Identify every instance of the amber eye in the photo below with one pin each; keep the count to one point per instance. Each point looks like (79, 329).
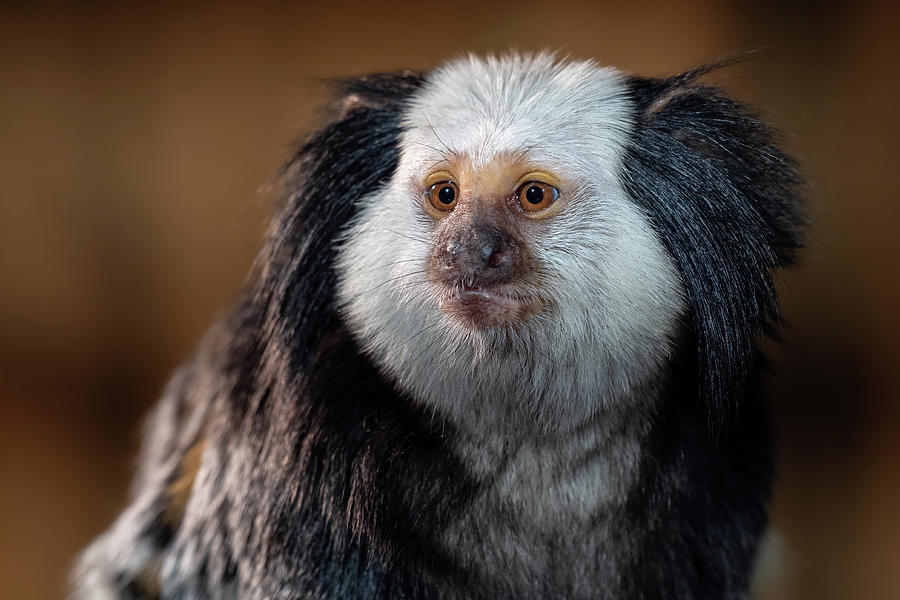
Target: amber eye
(536, 195)
(443, 195)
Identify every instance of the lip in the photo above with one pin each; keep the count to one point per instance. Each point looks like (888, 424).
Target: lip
(484, 308)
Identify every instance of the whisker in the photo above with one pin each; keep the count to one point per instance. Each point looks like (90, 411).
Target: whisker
(547, 356)
(428, 347)
(394, 263)
(438, 150)
(409, 237)
(434, 131)
(429, 327)
(387, 281)
(436, 163)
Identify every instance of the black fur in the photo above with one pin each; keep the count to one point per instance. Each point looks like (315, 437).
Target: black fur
(723, 197)
(320, 480)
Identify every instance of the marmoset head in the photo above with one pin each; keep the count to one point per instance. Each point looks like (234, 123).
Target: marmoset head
(555, 235)
(504, 262)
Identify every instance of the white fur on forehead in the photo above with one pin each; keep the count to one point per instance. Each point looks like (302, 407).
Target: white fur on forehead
(481, 107)
(613, 295)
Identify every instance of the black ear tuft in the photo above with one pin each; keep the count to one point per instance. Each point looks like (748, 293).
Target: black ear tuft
(725, 200)
(324, 180)
(377, 91)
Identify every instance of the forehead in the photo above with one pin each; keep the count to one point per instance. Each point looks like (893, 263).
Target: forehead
(533, 106)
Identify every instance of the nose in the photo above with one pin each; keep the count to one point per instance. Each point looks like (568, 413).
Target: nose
(478, 255)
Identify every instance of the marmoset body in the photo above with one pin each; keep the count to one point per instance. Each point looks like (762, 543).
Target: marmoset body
(501, 342)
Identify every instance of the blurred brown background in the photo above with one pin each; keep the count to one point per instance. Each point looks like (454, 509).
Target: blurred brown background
(134, 143)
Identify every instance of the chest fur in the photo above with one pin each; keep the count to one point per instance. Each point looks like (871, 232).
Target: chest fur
(542, 521)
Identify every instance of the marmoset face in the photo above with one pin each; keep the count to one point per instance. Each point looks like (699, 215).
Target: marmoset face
(504, 258)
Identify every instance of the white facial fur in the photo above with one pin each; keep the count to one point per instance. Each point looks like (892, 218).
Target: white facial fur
(613, 296)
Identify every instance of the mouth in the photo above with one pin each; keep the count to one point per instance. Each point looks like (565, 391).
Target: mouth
(482, 308)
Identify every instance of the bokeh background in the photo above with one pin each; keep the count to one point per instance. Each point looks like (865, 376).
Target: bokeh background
(136, 143)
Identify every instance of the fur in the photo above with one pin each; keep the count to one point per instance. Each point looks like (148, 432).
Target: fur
(341, 436)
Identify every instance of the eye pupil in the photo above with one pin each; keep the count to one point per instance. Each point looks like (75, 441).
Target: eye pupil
(446, 195)
(534, 194)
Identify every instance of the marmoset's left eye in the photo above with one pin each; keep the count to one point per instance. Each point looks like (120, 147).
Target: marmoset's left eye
(536, 195)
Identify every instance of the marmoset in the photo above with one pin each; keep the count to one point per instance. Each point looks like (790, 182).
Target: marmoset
(501, 342)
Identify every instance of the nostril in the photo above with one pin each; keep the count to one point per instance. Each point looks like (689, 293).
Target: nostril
(496, 259)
